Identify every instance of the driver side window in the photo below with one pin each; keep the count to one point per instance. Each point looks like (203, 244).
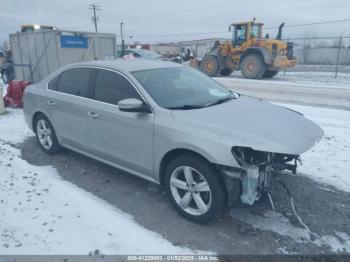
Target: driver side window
(111, 87)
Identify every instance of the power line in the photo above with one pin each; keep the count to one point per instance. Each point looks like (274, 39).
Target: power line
(66, 13)
(314, 23)
(221, 32)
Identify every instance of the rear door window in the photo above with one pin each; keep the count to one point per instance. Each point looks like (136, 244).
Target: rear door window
(53, 83)
(75, 81)
(111, 87)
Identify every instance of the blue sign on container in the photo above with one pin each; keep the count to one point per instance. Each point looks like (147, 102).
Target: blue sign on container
(71, 41)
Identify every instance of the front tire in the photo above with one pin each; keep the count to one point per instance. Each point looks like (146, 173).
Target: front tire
(253, 66)
(46, 135)
(195, 188)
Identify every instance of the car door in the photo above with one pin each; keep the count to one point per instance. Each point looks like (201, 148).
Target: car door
(123, 138)
(67, 107)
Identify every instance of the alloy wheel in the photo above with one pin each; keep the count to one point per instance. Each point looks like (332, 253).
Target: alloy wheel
(190, 190)
(44, 134)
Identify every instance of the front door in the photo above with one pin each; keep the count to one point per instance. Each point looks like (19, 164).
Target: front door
(123, 138)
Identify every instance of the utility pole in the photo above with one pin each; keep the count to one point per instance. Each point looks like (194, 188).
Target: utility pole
(122, 38)
(338, 55)
(95, 8)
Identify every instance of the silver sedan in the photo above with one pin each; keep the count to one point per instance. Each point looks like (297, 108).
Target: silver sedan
(206, 146)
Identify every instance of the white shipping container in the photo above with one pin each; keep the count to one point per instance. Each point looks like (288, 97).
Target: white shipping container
(38, 54)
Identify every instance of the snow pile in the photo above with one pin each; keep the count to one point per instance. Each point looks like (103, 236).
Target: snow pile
(42, 214)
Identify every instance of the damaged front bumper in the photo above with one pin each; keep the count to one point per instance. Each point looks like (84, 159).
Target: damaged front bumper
(257, 169)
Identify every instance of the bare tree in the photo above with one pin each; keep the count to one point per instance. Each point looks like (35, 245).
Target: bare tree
(5, 45)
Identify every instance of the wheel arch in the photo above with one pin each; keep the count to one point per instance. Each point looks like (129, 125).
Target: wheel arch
(35, 115)
(172, 154)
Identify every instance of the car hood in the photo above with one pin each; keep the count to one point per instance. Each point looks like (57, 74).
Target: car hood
(250, 122)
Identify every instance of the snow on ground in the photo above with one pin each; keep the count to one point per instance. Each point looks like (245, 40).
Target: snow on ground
(309, 79)
(42, 214)
(329, 161)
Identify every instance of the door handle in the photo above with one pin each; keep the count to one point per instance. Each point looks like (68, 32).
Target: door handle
(51, 103)
(93, 115)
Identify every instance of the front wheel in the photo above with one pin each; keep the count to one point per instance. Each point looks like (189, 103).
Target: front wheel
(195, 189)
(253, 66)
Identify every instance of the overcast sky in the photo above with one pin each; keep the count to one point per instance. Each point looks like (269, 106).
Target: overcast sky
(145, 20)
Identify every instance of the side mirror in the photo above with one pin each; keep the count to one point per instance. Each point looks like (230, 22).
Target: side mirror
(132, 105)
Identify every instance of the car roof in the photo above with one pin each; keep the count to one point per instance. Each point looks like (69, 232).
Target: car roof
(128, 65)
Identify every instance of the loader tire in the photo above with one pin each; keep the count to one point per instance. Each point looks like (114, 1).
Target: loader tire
(253, 66)
(210, 65)
(270, 73)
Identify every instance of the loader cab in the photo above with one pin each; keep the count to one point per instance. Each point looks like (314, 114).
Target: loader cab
(243, 32)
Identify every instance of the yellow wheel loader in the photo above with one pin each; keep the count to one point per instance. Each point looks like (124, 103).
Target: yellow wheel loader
(255, 56)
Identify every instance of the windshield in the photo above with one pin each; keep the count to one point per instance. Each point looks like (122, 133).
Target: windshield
(177, 87)
(255, 33)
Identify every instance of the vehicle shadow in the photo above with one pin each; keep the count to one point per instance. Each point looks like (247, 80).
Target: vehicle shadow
(324, 209)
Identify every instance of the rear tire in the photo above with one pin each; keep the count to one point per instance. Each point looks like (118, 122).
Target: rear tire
(253, 66)
(210, 65)
(46, 135)
(195, 188)
(270, 73)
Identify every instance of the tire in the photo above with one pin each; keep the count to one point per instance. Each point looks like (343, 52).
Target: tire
(270, 73)
(46, 135)
(210, 65)
(208, 191)
(226, 72)
(253, 67)
(4, 77)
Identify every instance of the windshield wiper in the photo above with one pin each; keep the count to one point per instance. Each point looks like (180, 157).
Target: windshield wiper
(222, 100)
(185, 107)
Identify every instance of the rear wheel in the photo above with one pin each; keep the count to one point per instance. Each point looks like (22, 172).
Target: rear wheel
(46, 135)
(210, 65)
(253, 66)
(270, 73)
(195, 188)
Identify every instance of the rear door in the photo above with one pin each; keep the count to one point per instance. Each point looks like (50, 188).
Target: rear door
(68, 107)
(123, 138)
